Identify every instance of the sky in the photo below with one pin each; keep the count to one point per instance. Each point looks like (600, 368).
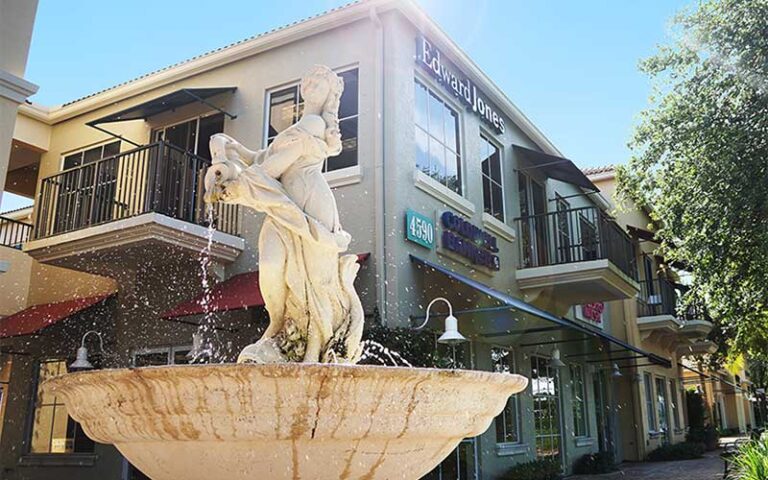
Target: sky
(570, 66)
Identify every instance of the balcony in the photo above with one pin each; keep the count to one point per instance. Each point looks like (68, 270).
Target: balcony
(14, 233)
(141, 205)
(575, 256)
(660, 310)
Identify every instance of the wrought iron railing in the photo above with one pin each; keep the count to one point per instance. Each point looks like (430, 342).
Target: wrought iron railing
(663, 297)
(159, 177)
(574, 235)
(14, 233)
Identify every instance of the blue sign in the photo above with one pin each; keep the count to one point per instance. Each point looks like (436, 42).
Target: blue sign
(419, 229)
(469, 241)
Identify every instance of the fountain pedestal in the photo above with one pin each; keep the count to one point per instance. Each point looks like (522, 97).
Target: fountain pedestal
(284, 421)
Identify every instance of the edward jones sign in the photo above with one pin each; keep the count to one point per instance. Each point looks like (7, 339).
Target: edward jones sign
(432, 60)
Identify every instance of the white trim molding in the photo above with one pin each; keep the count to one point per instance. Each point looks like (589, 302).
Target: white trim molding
(344, 176)
(499, 228)
(439, 191)
(14, 88)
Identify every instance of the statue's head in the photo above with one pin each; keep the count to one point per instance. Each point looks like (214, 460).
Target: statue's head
(321, 86)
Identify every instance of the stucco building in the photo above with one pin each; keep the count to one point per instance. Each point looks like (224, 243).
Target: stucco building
(446, 187)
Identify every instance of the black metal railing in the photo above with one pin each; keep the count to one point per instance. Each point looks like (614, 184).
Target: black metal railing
(663, 297)
(14, 233)
(159, 177)
(574, 235)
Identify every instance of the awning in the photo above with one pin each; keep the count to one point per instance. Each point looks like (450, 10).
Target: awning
(236, 293)
(521, 306)
(38, 317)
(173, 100)
(555, 167)
(642, 234)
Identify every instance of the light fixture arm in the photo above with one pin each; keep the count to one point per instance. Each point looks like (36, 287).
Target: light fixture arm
(426, 319)
(101, 340)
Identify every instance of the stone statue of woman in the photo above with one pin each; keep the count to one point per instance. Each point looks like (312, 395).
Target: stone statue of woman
(307, 284)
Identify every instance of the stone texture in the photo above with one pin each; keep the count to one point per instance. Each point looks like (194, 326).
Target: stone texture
(284, 421)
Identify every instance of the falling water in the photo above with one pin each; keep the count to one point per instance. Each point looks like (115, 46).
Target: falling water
(381, 354)
(206, 337)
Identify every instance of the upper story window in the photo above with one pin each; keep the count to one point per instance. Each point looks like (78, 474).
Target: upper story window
(192, 135)
(438, 153)
(286, 107)
(493, 190)
(53, 430)
(90, 155)
(508, 421)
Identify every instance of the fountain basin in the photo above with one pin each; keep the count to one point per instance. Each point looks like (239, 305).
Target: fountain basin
(292, 421)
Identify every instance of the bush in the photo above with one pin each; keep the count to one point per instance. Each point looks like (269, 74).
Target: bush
(595, 463)
(708, 436)
(751, 462)
(678, 451)
(542, 469)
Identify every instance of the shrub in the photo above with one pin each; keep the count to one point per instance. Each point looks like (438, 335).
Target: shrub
(678, 451)
(542, 469)
(595, 463)
(705, 435)
(751, 461)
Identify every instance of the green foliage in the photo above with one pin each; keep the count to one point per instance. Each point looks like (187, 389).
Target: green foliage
(542, 469)
(595, 463)
(694, 401)
(417, 347)
(678, 451)
(701, 163)
(751, 462)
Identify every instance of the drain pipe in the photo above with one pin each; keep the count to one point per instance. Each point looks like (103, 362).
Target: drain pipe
(380, 204)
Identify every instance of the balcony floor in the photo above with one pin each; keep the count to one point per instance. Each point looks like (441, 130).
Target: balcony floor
(130, 243)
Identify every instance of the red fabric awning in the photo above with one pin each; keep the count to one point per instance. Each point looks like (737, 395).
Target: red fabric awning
(37, 317)
(236, 293)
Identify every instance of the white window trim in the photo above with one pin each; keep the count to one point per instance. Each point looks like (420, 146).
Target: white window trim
(492, 140)
(450, 102)
(344, 176)
(199, 117)
(507, 449)
(442, 193)
(499, 228)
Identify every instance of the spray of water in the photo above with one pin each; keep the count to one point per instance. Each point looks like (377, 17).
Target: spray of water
(381, 354)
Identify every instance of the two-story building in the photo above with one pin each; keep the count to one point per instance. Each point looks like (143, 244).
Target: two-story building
(447, 189)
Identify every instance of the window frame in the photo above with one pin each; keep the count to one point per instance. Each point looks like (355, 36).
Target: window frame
(450, 103)
(296, 84)
(662, 404)
(674, 404)
(82, 150)
(153, 131)
(169, 350)
(513, 401)
(484, 135)
(582, 403)
(650, 402)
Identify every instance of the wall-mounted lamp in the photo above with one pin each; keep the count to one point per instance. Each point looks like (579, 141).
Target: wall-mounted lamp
(555, 361)
(451, 335)
(616, 373)
(81, 360)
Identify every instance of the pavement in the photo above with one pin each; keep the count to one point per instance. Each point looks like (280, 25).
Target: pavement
(710, 467)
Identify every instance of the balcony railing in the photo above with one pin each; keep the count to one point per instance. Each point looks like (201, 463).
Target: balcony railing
(662, 297)
(14, 233)
(574, 235)
(159, 177)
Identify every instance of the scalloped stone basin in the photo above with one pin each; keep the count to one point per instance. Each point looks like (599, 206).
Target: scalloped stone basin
(284, 421)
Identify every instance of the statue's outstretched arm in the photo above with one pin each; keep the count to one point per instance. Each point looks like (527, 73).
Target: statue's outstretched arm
(277, 161)
(226, 149)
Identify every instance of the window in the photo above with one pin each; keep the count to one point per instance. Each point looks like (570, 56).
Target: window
(286, 107)
(437, 139)
(661, 404)
(563, 230)
(649, 408)
(493, 191)
(161, 356)
(53, 431)
(90, 155)
(676, 412)
(533, 203)
(192, 135)
(546, 407)
(578, 401)
(507, 423)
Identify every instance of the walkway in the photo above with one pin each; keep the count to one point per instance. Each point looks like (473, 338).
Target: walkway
(708, 468)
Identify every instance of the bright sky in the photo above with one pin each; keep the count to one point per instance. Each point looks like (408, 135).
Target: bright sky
(571, 67)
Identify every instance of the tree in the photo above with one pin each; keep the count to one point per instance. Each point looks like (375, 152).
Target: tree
(700, 161)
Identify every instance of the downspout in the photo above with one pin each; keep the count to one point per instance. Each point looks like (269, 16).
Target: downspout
(380, 205)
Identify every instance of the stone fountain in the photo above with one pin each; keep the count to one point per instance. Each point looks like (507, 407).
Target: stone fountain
(295, 405)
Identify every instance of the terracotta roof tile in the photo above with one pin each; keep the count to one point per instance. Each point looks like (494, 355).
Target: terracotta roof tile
(598, 170)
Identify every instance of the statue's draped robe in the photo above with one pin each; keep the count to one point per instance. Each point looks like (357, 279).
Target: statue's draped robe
(320, 318)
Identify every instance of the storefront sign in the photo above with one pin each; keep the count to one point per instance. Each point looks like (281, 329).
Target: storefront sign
(469, 241)
(591, 313)
(432, 60)
(419, 229)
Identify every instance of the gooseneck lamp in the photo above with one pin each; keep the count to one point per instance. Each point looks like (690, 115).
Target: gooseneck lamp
(81, 360)
(555, 361)
(451, 335)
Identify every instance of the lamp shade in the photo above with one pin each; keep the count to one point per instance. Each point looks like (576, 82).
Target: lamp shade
(616, 371)
(451, 336)
(81, 360)
(555, 362)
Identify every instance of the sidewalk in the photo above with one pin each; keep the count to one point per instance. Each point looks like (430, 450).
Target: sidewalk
(708, 468)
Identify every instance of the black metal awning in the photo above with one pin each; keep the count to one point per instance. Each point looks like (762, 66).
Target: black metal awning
(526, 308)
(555, 167)
(170, 101)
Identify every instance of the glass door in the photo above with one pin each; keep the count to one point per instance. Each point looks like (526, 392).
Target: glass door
(545, 385)
(601, 410)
